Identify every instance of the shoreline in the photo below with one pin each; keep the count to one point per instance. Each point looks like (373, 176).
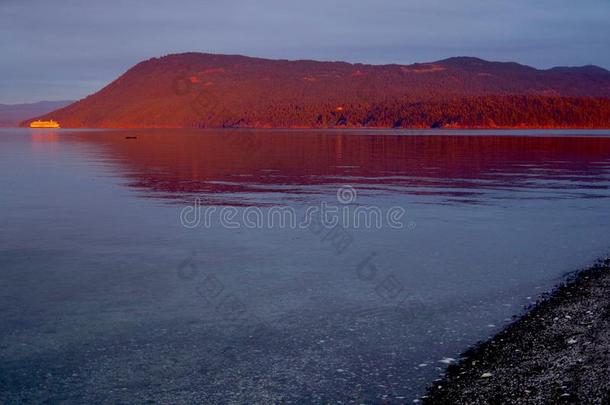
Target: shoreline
(557, 352)
(25, 124)
(333, 129)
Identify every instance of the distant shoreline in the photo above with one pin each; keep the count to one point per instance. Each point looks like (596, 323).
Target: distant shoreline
(448, 129)
(558, 352)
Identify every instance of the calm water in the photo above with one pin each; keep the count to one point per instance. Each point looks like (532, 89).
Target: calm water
(105, 296)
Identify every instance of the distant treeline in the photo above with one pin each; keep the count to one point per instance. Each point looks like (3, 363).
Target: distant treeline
(461, 112)
(205, 90)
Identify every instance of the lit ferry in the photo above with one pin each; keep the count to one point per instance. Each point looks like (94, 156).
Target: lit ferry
(44, 124)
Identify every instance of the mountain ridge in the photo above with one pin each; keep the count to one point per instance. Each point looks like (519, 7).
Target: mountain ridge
(11, 115)
(211, 90)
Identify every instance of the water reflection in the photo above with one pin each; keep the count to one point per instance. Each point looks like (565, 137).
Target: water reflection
(256, 167)
(87, 266)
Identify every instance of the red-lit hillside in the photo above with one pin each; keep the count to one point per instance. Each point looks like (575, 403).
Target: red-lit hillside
(206, 90)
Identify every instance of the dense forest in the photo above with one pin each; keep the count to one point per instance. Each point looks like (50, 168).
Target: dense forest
(205, 90)
(473, 112)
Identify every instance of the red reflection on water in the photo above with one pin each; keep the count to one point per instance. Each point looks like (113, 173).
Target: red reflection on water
(183, 162)
(44, 141)
(44, 136)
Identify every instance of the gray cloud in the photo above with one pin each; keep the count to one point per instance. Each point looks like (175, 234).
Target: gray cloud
(67, 49)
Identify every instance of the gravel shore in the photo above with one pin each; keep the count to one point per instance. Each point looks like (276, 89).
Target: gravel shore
(559, 352)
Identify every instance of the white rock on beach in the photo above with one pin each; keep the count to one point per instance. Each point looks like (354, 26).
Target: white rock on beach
(486, 375)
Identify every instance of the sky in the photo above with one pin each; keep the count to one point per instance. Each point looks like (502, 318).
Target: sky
(67, 49)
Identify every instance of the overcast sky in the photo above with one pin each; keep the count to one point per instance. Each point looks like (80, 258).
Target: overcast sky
(67, 49)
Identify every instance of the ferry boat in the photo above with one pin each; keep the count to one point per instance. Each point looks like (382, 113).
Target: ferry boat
(44, 124)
